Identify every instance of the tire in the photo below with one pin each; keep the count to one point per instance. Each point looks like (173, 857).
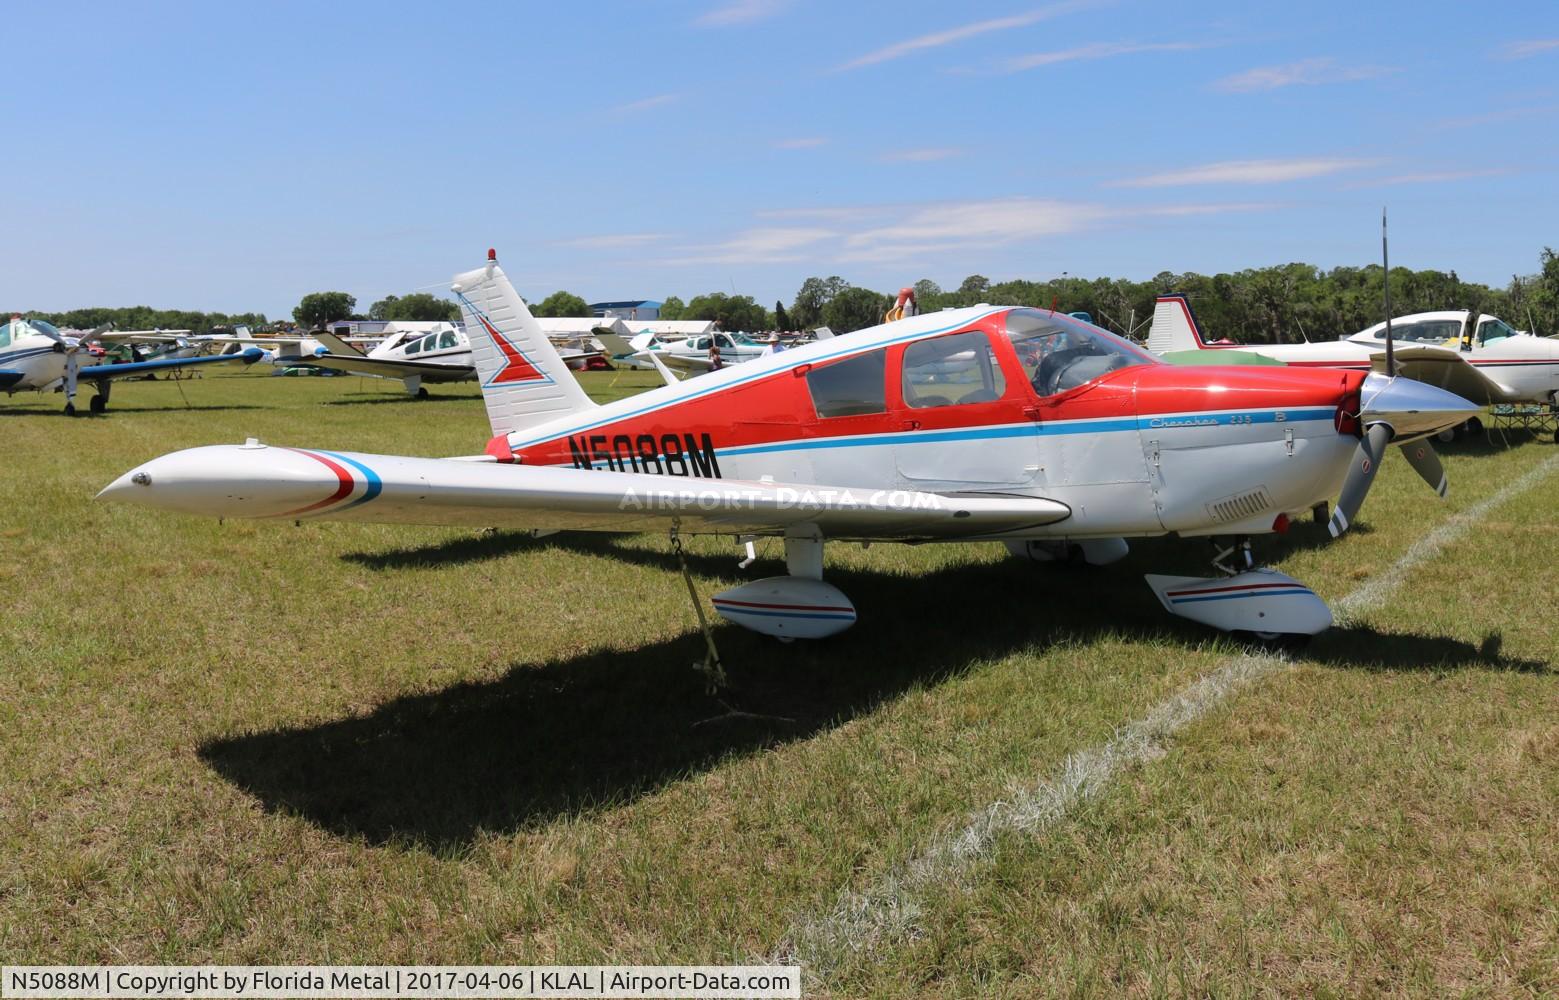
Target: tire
(1474, 426)
(70, 409)
(422, 393)
(1446, 436)
(97, 404)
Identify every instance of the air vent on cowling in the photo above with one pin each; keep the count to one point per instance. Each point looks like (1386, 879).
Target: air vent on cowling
(1239, 506)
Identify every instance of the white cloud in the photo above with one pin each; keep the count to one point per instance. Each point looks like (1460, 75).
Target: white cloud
(1435, 177)
(740, 12)
(614, 241)
(1249, 172)
(646, 103)
(803, 142)
(1522, 50)
(1305, 72)
(898, 232)
(1095, 50)
(761, 245)
(937, 39)
(982, 223)
(925, 155)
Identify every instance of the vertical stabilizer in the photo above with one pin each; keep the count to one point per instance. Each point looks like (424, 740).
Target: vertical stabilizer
(1174, 327)
(524, 381)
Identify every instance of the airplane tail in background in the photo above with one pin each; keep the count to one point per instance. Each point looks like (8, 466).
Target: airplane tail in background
(1174, 327)
(524, 380)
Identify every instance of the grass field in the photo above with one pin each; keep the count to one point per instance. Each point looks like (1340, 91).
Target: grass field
(258, 743)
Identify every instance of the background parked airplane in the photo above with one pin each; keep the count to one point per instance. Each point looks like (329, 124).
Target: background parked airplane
(35, 355)
(442, 355)
(1476, 356)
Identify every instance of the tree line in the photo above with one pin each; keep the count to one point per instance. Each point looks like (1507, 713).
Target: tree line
(1257, 305)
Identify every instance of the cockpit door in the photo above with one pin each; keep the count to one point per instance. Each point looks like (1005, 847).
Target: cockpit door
(960, 414)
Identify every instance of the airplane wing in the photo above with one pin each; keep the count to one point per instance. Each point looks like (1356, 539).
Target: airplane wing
(358, 364)
(130, 369)
(142, 336)
(254, 480)
(1447, 369)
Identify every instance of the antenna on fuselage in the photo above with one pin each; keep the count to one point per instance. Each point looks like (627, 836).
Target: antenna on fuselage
(1385, 261)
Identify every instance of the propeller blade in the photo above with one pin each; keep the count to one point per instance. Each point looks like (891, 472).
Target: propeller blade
(1421, 456)
(1366, 463)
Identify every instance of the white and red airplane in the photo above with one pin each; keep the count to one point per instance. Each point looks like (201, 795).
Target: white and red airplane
(987, 423)
(441, 355)
(1476, 356)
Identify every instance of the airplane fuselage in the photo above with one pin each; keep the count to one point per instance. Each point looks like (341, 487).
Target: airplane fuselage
(1142, 450)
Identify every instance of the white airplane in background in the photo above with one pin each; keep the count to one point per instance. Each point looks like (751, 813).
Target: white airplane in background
(1056, 438)
(1476, 356)
(443, 355)
(34, 355)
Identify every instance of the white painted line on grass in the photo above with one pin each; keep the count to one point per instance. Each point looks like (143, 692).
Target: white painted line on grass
(891, 908)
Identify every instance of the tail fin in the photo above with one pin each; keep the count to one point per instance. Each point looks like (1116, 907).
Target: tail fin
(1174, 327)
(336, 345)
(524, 381)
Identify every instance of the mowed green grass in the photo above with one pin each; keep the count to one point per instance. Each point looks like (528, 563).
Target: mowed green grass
(253, 742)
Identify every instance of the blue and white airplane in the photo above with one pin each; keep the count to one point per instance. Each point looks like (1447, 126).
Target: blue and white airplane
(34, 355)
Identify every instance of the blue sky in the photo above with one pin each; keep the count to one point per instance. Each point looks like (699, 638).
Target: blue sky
(237, 156)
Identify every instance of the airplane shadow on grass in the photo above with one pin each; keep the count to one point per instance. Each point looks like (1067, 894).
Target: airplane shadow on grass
(597, 730)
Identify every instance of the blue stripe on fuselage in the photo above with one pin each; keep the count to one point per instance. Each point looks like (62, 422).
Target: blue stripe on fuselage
(1157, 421)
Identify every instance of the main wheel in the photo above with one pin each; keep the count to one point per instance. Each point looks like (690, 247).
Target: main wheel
(97, 404)
(70, 409)
(1474, 426)
(422, 393)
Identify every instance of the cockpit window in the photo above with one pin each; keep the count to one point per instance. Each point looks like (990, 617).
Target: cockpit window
(5, 333)
(1493, 329)
(415, 347)
(1060, 353)
(952, 370)
(851, 387)
(446, 339)
(44, 327)
(1425, 331)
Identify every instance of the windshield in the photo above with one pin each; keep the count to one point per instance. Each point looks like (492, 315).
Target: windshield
(43, 327)
(1490, 328)
(1059, 353)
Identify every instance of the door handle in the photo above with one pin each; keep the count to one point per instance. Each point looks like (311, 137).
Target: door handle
(912, 425)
